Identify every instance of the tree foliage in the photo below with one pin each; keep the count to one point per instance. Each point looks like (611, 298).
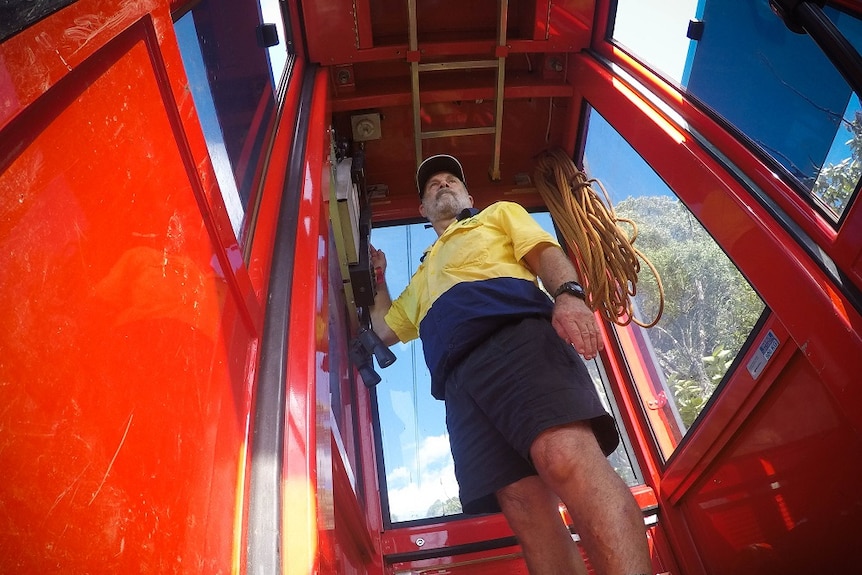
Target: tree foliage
(836, 182)
(710, 308)
(451, 506)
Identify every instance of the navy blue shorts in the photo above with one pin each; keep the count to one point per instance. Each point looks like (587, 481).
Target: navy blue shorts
(521, 381)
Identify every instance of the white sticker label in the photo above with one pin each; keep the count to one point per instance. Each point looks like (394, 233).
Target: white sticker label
(762, 355)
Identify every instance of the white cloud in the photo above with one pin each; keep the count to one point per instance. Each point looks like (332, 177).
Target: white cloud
(412, 490)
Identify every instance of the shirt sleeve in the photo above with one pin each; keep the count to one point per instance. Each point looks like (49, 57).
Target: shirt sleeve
(398, 318)
(522, 228)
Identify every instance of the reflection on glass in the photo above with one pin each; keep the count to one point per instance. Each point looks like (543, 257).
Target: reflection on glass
(620, 459)
(233, 79)
(837, 179)
(710, 309)
(777, 87)
(420, 477)
(271, 12)
(196, 72)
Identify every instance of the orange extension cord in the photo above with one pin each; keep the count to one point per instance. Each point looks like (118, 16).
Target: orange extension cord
(608, 264)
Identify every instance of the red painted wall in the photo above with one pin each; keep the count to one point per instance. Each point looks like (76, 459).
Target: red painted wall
(128, 329)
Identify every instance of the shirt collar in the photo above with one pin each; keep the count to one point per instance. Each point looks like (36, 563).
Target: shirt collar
(467, 213)
(463, 215)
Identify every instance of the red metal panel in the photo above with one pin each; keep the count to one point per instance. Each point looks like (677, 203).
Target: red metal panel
(46, 52)
(504, 560)
(331, 32)
(729, 411)
(126, 354)
(404, 539)
(783, 497)
(307, 349)
(569, 24)
(351, 526)
(262, 229)
(528, 127)
(362, 9)
(338, 33)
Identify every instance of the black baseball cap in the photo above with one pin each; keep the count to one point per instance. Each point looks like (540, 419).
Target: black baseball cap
(435, 165)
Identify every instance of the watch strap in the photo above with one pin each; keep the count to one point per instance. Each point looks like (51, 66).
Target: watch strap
(571, 287)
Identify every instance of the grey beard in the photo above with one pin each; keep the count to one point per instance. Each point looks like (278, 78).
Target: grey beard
(449, 205)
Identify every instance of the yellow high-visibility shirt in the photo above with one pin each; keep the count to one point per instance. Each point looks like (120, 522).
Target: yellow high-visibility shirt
(471, 281)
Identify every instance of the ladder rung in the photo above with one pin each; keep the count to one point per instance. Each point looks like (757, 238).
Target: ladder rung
(466, 65)
(458, 132)
(499, 64)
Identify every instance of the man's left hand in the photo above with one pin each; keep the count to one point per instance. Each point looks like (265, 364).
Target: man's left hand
(576, 324)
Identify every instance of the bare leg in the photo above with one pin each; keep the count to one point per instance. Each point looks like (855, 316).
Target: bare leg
(533, 514)
(603, 509)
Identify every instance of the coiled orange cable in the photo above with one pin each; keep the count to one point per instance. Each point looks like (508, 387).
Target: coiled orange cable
(607, 261)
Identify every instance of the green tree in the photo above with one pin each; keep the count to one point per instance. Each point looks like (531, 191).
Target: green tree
(691, 396)
(836, 182)
(451, 506)
(709, 310)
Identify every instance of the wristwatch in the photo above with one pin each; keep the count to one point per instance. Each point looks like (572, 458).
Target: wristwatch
(573, 288)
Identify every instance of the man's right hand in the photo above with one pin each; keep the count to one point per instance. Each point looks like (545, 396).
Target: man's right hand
(382, 301)
(378, 262)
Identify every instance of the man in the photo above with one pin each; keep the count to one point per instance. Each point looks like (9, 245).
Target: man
(525, 423)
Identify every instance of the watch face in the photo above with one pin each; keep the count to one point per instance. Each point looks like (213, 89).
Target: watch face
(573, 288)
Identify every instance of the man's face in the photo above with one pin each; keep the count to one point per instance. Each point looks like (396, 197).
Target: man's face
(445, 197)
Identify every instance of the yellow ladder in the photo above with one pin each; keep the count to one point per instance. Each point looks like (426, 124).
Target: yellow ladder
(499, 63)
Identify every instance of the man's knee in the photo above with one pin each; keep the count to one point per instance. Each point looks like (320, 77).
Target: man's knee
(528, 503)
(564, 452)
(522, 496)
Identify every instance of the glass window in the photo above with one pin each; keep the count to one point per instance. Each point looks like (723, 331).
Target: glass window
(636, 27)
(420, 476)
(233, 78)
(777, 87)
(271, 14)
(710, 309)
(16, 16)
(837, 179)
(419, 473)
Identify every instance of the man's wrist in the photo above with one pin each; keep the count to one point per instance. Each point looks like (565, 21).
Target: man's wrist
(571, 288)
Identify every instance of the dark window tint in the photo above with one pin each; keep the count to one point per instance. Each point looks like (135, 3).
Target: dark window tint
(775, 86)
(233, 77)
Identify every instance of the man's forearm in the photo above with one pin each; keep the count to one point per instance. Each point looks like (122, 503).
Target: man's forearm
(573, 320)
(552, 265)
(382, 303)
